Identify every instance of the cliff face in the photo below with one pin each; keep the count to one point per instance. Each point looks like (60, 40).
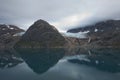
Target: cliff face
(41, 34)
(8, 35)
(105, 34)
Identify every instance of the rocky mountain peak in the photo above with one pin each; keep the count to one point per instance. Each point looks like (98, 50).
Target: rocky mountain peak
(42, 25)
(9, 29)
(40, 21)
(42, 34)
(8, 35)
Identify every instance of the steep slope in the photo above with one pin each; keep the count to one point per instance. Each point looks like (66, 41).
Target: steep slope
(105, 33)
(9, 29)
(41, 34)
(8, 35)
(99, 27)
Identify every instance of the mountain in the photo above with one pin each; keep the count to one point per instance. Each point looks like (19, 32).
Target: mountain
(105, 33)
(9, 29)
(41, 34)
(99, 27)
(8, 35)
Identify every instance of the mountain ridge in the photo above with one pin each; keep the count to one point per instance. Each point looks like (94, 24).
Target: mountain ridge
(102, 34)
(43, 35)
(8, 35)
(40, 35)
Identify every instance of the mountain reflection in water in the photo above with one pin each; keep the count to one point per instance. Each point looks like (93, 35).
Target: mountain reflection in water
(61, 64)
(102, 59)
(9, 58)
(40, 60)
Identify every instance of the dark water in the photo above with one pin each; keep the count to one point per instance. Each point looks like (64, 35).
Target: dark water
(59, 64)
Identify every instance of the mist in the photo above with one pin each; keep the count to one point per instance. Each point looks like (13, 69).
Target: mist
(63, 14)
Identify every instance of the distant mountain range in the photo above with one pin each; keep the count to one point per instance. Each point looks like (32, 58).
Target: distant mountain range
(43, 35)
(109, 25)
(106, 33)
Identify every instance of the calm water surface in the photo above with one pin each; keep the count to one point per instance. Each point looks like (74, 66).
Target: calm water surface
(59, 64)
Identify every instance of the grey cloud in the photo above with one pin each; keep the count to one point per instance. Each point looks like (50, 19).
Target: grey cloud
(24, 12)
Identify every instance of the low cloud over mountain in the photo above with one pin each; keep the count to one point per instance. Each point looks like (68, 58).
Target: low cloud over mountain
(64, 14)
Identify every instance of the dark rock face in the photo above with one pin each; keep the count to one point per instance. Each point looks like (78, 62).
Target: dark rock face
(9, 29)
(102, 34)
(8, 35)
(109, 25)
(41, 34)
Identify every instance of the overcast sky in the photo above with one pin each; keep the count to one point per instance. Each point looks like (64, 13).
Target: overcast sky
(64, 14)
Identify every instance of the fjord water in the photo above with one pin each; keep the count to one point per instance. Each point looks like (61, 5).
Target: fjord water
(60, 64)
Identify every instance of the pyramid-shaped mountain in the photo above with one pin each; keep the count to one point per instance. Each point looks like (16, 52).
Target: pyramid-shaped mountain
(41, 35)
